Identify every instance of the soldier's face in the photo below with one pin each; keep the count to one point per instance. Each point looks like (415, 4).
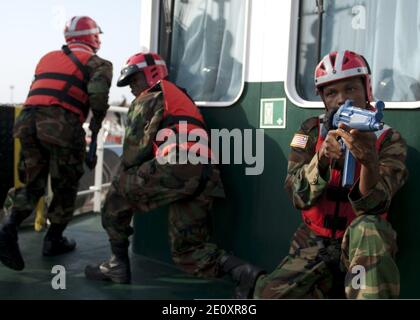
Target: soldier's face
(335, 94)
(98, 41)
(138, 84)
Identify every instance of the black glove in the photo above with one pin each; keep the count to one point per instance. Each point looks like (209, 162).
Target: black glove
(91, 162)
(95, 125)
(91, 157)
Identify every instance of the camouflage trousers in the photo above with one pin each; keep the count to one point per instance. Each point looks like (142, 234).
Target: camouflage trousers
(40, 157)
(151, 185)
(365, 257)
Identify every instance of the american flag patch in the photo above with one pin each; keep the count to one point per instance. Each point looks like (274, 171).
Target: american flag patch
(299, 141)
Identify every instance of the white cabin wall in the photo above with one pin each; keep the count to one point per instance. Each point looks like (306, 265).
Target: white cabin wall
(149, 25)
(268, 43)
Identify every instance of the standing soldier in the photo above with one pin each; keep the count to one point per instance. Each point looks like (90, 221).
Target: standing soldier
(67, 83)
(145, 182)
(339, 224)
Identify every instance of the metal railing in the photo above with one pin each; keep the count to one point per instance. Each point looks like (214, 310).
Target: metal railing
(98, 186)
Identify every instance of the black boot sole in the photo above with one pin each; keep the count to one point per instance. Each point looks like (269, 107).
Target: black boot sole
(52, 250)
(94, 273)
(56, 253)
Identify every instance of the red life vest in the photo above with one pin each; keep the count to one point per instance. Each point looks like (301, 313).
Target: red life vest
(322, 218)
(61, 79)
(179, 108)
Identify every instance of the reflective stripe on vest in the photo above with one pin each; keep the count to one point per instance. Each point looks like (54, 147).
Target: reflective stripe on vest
(61, 79)
(182, 116)
(321, 218)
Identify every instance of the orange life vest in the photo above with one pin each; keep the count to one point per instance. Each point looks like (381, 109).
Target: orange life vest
(333, 213)
(61, 79)
(179, 108)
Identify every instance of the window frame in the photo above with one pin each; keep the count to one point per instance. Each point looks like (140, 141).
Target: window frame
(290, 85)
(216, 104)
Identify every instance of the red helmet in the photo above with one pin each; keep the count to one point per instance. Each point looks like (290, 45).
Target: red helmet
(83, 29)
(342, 65)
(153, 66)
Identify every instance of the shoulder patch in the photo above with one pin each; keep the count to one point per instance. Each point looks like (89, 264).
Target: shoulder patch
(299, 141)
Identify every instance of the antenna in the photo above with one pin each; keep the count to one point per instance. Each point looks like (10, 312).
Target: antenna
(12, 87)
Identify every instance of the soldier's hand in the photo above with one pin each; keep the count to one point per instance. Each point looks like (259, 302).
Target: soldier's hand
(361, 144)
(94, 125)
(330, 148)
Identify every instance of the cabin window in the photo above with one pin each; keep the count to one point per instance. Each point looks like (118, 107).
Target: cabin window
(386, 32)
(205, 48)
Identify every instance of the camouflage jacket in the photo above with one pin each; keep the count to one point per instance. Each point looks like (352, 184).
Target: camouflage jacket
(61, 127)
(305, 184)
(143, 122)
(100, 78)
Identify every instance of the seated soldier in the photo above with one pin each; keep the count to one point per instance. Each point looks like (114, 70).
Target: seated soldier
(345, 246)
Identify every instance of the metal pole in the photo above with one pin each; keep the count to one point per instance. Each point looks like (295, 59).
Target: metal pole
(98, 172)
(320, 7)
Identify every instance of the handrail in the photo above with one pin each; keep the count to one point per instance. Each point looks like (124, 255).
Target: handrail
(98, 186)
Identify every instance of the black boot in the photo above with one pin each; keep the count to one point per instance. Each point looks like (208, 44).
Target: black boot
(54, 242)
(10, 254)
(116, 269)
(244, 274)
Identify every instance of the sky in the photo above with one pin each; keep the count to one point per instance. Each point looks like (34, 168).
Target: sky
(29, 29)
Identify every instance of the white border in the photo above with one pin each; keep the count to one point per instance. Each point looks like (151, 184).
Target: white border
(290, 84)
(283, 126)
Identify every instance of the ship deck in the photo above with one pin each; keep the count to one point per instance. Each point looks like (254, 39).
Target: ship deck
(152, 279)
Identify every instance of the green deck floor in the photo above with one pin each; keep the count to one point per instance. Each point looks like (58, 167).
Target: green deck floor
(151, 279)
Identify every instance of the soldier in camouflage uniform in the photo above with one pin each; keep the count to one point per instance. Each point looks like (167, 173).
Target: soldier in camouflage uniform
(353, 255)
(68, 83)
(145, 182)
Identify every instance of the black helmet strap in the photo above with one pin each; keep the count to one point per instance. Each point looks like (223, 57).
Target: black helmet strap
(149, 59)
